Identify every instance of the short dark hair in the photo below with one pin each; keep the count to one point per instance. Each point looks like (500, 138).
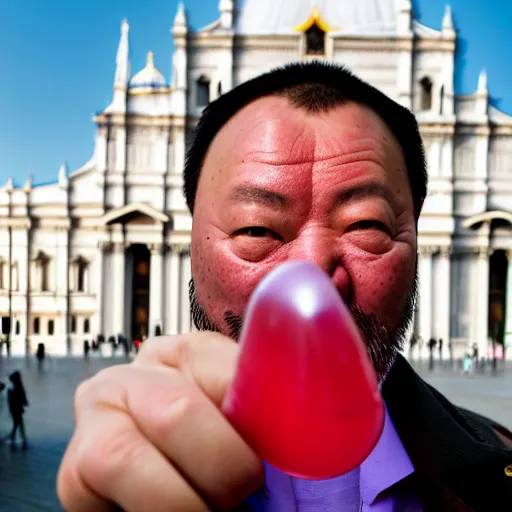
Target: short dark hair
(314, 87)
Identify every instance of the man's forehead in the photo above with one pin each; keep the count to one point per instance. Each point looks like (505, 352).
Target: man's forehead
(271, 129)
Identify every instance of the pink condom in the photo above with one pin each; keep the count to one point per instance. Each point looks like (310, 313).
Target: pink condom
(305, 396)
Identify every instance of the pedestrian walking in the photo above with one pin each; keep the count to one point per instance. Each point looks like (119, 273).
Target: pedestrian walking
(87, 348)
(431, 346)
(467, 364)
(17, 399)
(475, 354)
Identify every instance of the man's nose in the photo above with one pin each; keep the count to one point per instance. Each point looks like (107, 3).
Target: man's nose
(323, 249)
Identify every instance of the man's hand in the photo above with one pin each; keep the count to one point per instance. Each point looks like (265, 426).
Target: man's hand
(150, 435)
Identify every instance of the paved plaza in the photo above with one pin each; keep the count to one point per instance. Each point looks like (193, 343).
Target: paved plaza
(27, 479)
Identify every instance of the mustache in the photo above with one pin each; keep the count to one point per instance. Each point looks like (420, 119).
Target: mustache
(382, 344)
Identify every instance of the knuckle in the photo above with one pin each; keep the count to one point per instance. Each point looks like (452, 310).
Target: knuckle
(171, 350)
(109, 457)
(175, 407)
(83, 389)
(105, 386)
(82, 394)
(181, 350)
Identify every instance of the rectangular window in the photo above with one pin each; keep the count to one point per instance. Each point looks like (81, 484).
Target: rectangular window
(73, 324)
(36, 325)
(315, 40)
(45, 276)
(51, 327)
(500, 156)
(465, 155)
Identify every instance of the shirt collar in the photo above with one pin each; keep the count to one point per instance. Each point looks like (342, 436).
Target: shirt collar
(386, 465)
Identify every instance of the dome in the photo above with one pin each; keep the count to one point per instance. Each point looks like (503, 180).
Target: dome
(285, 16)
(149, 76)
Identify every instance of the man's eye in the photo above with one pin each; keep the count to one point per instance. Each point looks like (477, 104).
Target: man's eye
(258, 232)
(369, 224)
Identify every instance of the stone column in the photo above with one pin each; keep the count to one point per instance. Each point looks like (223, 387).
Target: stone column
(404, 75)
(23, 260)
(29, 286)
(155, 288)
(482, 300)
(425, 295)
(59, 282)
(173, 291)
(508, 308)
(118, 281)
(184, 298)
(97, 286)
(434, 158)
(443, 303)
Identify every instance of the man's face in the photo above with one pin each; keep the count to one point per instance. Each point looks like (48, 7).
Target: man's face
(279, 184)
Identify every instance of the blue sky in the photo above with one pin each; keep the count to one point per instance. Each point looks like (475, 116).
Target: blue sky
(57, 63)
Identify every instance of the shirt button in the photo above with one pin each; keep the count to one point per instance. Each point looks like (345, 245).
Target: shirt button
(508, 470)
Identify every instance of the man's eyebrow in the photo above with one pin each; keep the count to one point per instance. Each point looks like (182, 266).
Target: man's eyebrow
(364, 191)
(252, 194)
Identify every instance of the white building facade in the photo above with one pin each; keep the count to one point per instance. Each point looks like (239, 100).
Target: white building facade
(105, 249)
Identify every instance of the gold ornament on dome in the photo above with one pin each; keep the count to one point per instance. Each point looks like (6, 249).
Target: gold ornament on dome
(315, 19)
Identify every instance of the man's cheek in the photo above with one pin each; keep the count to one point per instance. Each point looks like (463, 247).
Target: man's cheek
(236, 277)
(382, 288)
(223, 286)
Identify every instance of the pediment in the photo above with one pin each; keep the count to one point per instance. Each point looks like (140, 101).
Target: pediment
(135, 213)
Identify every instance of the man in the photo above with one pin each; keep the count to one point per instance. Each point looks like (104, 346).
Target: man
(304, 163)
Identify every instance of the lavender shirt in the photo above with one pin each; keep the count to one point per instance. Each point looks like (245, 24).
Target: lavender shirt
(366, 489)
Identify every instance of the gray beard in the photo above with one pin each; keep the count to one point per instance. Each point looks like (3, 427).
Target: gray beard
(382, 345)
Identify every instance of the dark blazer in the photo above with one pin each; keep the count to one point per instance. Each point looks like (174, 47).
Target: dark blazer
(463, 461)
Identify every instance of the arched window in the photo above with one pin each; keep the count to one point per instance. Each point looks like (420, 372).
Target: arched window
(441, 102)
(426, 93)
(87, 326)
(51, 327)
(315, 40)
(42, 264)
(73, 324)
(37, 325)
(17, 327)
(219, 89)
(202, 91)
